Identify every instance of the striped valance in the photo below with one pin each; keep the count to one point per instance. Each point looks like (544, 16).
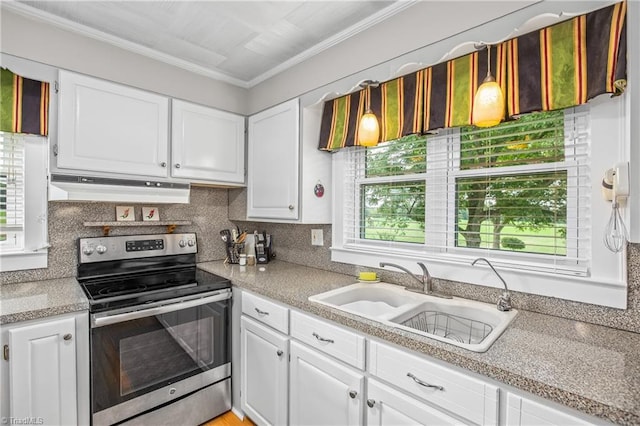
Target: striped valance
(559, 66)
(24, 104)
(568, 63)
(397, 104)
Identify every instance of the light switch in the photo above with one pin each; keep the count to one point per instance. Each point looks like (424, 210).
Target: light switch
(316, 237)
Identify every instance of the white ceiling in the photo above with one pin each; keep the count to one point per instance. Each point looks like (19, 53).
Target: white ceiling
(240, 42)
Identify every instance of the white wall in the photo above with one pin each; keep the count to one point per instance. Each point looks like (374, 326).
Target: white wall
(30, 39)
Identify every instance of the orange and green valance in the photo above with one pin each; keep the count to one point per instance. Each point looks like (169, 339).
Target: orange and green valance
(557, 67)
(24, 104)
(567, 64)
(397, 104)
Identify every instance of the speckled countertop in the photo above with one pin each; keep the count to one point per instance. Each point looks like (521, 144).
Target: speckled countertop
(39, 299)
(591, 368)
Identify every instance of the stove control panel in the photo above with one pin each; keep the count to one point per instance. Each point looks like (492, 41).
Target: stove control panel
(100, 249)
(143, 245)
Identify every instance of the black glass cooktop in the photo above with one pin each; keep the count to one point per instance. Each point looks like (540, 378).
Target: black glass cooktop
(113, 292)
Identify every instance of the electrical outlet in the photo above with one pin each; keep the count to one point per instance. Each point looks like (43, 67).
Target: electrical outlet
(316, 237)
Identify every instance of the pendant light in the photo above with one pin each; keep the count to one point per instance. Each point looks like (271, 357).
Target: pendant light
(488, 104)
(368, 128)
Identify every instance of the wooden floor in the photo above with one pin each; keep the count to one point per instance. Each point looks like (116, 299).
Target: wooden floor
(229, 419)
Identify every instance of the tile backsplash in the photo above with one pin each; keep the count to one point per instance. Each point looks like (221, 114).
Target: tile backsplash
(208, 214)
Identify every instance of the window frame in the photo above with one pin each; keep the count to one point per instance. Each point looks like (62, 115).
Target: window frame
(38, 155)
(605, 280)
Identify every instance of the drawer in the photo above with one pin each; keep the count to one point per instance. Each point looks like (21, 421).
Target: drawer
(466, 396)
(345, 345)
(265, 311)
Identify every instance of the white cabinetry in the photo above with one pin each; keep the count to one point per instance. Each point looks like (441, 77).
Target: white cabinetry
(111, 128)
(46, 370)
(523, 411)
(323, 391)
(388, 407)
(272, 175)
(475, 400)
(264, 358)
(284, 167)
(206, 144)
(265, 362)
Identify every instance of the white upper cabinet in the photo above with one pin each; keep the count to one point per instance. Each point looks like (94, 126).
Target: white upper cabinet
(206, 144)
(272, 164)
(288, 178)
(111, 128)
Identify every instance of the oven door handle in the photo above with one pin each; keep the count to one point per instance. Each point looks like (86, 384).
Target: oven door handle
(100, 321)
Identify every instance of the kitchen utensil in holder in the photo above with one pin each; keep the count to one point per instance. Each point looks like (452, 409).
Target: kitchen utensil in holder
(233, 252)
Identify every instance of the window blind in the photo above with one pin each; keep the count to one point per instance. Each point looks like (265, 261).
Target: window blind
(12, 185)
(518, 193)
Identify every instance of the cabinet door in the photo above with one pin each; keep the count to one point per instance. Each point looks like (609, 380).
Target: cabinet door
(526, 412)
(323, 391)
(265, 355)
(272, 165)
(107, 127)
(206, 144)
(388, 407)
(42, 371)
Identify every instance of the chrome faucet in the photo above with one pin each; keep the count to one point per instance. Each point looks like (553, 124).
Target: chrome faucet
(425, 280)
(504, 301)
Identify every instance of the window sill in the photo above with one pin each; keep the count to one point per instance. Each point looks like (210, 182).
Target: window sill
(590, 290)
(18, 261)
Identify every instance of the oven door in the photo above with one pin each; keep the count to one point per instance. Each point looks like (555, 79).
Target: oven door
(146, 357)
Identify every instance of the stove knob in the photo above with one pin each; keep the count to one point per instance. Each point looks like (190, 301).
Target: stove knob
(101, 249)
(182, 243)
(191, 243)
(87, 250)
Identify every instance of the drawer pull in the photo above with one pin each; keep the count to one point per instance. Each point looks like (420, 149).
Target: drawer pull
(425, 384)
(261, 312)
(371, 402)
(322, 339)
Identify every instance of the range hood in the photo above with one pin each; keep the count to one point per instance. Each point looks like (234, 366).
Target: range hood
(89, 188)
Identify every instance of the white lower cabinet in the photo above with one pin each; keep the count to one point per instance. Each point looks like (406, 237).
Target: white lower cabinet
(45, 370)
(388, 407)
(265, 366)
(522, 411)
(323, 391)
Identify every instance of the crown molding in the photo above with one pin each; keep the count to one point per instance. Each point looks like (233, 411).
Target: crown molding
(66, 24)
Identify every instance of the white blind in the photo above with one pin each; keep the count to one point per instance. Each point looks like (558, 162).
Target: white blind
(518, 192)
(12, 185)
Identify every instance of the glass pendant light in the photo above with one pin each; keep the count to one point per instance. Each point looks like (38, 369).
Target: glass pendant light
(368, 128)
(488, 104)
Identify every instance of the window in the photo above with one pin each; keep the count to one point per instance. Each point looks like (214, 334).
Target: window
(23, 202)
(521, 194)
(514, 189)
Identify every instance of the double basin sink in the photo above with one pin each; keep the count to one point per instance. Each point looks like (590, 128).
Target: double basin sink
(465, 323)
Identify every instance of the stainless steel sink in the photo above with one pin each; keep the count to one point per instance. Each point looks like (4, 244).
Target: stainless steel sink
(466, 323)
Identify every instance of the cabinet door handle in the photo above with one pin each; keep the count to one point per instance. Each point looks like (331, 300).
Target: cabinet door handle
(5, 352)
(321, 339)
(425, 384)
(291, 207)
(67, 336)
(177, 165)
(261, 312)
(371, 402)
(353, 394)
(163, 164)
(279, 352)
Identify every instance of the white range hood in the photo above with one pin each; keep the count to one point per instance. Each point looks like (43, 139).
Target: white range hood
(89, 188)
